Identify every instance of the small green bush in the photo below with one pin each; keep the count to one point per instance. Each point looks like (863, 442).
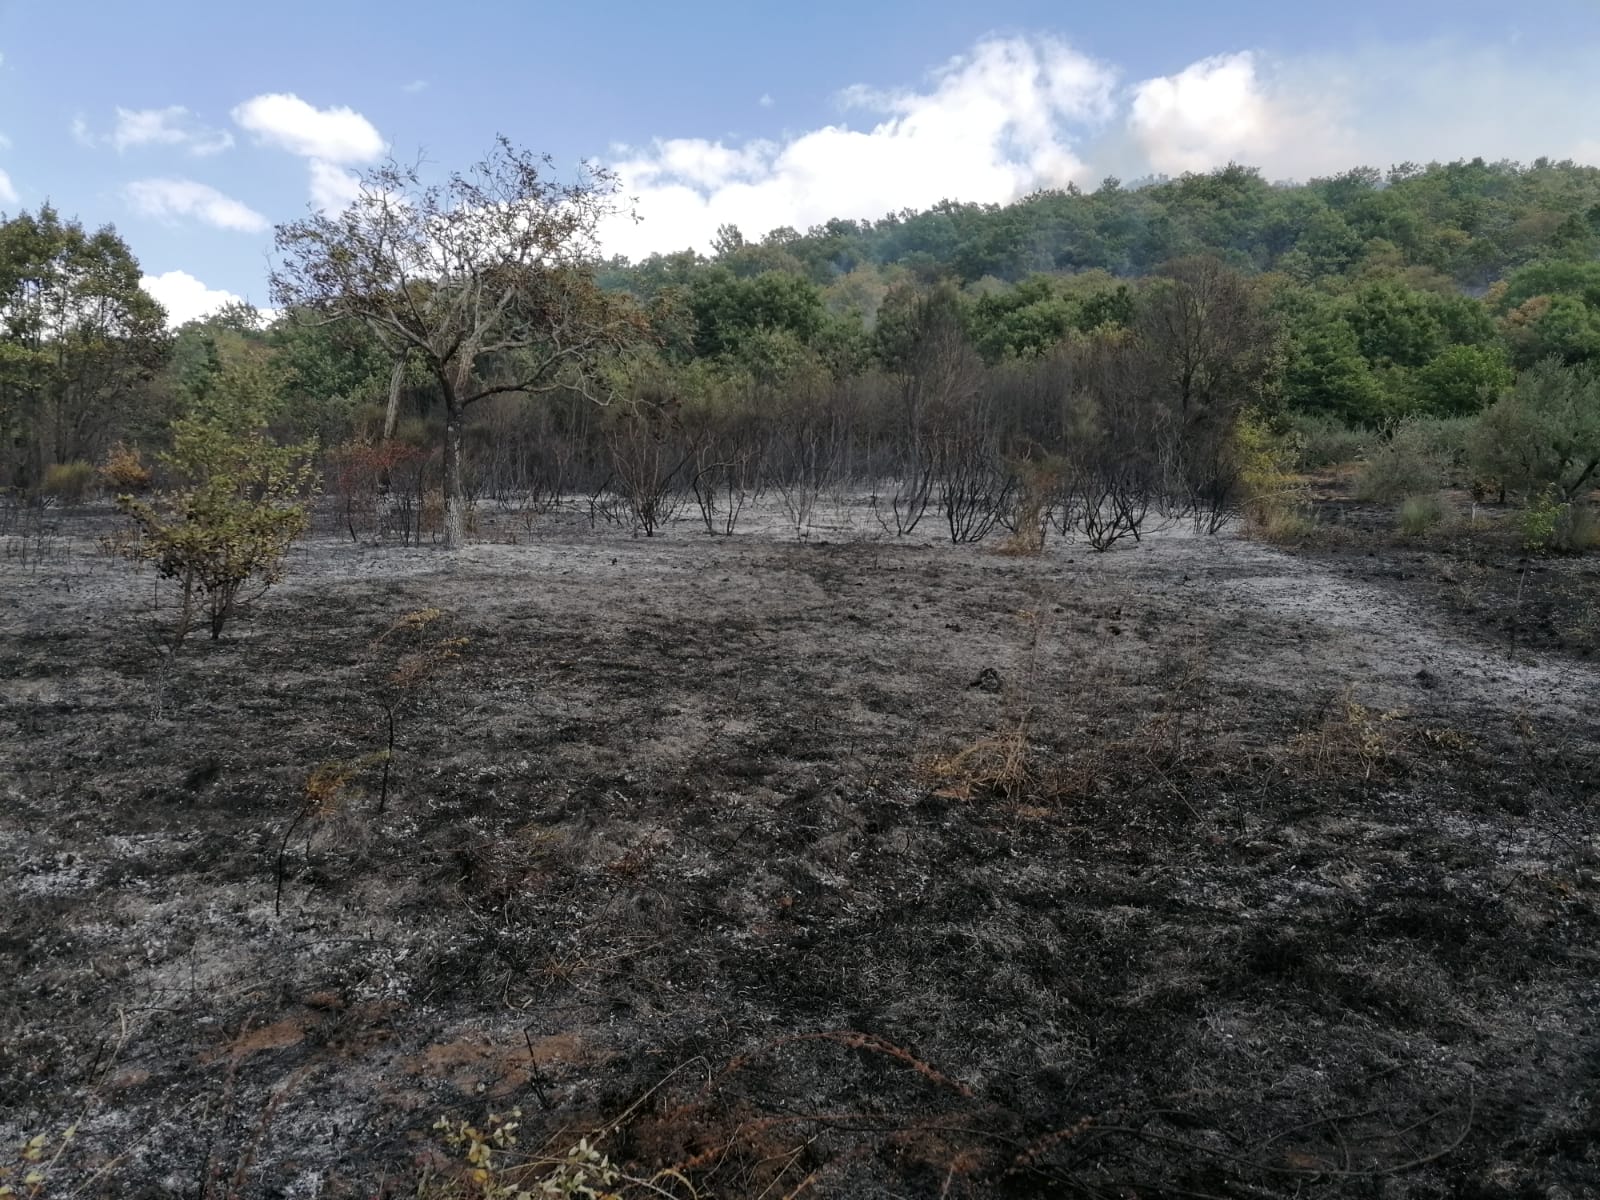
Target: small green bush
(239, 501)
(1325, 441)
(67, 483)
(1393, 472)
(1265, 460)
(1287, 524)
(1551, 525)
(1420, 514)
(1421, 456)
(1443, 439)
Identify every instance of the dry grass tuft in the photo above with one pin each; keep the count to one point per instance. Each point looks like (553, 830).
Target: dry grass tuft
(1352, 741)
(1001, 766)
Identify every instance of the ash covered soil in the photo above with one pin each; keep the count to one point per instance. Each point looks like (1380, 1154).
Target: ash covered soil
(850, 867)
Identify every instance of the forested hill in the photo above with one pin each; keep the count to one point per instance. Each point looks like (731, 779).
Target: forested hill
(1419, 292)
(1363, 299)
(1466, 222)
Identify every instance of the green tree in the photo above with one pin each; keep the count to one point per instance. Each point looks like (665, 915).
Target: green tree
(487, 280)
(1553, 278)
(912, 320)
(1328, 243)
(1030, 319)
(843, 345)
(79, 341)
(332, 379)
(1022, 322)
(1544, 434)
(1562, 326)
(199, 348)
(1396, 326)
(1326, 374)
(728, 240)
(1461, 380)
(728, 310)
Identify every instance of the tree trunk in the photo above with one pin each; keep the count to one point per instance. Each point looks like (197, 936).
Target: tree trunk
(455, 515)
(391, 415)
(1581, 483)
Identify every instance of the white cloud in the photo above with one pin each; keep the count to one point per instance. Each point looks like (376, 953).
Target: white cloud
(991, 126)
(1211, 112)
(415, 86)
(1302, 117)
(148, 126)
(332, 187)
(5, 142)
(701, 163)
(1022, 113)
(8, 192)
(171, 198)
(171, 126)
(766, 100)
(330, 139)
(184, 297)
(333, 135)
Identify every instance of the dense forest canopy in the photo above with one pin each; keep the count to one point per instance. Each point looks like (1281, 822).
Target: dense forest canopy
(1468, 223)
(1365, 298)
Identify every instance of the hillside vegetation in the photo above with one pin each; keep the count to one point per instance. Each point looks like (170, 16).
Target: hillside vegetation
(1145, 315)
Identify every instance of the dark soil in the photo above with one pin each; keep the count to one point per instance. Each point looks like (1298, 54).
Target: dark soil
(1479, 576)
(1474, 570)
(849, 868)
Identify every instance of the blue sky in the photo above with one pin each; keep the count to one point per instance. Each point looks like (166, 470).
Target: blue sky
(194, 127)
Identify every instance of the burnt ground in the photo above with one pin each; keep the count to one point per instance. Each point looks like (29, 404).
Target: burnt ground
(839, 868)
(1474, 569)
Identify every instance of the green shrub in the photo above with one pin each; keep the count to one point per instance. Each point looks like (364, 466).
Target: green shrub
(1421, 456)
(239, 503)
(1321, 441)
(1286, 523)
(1419, 514)
(1462, 379)
(1551, 525)
(1395, 470)
(1443, 439)
(67, 483)
(1539, 521)
(1274, 500)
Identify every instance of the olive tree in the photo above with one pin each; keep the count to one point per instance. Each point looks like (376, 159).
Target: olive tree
(1543, 435)
(487, 280)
